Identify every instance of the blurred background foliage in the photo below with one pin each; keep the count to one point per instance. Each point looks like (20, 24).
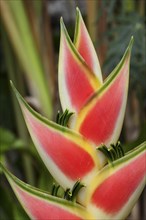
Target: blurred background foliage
(29, 46)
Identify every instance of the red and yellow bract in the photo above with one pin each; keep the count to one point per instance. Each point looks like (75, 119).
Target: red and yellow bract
(71, 153)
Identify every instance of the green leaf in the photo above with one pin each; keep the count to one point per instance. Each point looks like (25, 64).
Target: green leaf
(17, 24)
(8, 141)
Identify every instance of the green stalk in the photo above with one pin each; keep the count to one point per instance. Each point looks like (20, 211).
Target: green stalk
(14, 35)
(18, 27)
(22, 23)
(48, 50)
(21, 128)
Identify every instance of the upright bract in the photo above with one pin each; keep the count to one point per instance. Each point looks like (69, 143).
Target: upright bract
(107, 106)
(77, 81)
(85, 46)
(77, 158)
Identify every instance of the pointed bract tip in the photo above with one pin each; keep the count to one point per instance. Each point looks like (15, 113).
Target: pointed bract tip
(78, 13)
(13, 87)
(62, 27)
(61, 21)
(131, 42)
(62, 24)
(129, 48)
(132, 38)
(11, 84)
(77, 10)
(17, 94)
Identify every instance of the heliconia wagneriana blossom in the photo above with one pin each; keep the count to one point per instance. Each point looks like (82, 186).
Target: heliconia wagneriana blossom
(81, 150)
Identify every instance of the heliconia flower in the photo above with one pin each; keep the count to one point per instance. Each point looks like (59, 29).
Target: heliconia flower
(107, 106)
(79, 70)
(63, 151)
(40, 205)
(99, 180)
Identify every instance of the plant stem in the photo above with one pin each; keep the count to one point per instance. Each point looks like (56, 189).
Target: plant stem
(21, 128)
(19, 30)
